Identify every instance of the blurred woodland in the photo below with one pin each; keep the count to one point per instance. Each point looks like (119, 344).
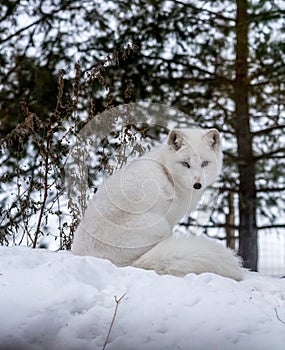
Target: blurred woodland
(63, 62)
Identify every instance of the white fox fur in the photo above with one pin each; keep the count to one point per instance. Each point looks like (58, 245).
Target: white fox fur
(197, 254)
(131, 217)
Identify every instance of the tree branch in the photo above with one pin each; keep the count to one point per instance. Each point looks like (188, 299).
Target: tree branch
(272, 189)
(199, 10)
(44, 16)
(11, 6)
(269, 154)
(265, 227)
(268, 130)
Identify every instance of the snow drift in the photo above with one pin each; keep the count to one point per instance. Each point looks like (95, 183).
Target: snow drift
(59, 301)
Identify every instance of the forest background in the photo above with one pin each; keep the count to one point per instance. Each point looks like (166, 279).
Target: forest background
(62, 63)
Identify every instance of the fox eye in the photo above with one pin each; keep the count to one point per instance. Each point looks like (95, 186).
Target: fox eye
(186, 164)
(205, 163)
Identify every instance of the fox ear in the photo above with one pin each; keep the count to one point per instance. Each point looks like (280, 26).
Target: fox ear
(175, 139)
(213, 138)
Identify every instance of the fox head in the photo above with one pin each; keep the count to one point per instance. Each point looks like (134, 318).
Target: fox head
(195, 157)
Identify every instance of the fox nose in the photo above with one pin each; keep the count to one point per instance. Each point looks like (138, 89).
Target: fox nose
(197, 185)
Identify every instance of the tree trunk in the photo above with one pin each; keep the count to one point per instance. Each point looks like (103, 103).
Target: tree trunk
(246, 163)
(230, 222)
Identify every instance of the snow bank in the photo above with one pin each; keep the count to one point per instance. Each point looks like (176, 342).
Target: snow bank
(57, 301)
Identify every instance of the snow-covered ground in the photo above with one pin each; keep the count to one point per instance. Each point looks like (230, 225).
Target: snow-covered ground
(272, 253)
(57, 301)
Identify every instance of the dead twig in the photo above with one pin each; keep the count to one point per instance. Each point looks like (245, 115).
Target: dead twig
(113, 319)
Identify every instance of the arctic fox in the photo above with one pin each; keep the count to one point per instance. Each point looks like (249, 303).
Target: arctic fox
(131, 217)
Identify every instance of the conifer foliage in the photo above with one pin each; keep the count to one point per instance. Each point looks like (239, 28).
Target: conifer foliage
(220, 62)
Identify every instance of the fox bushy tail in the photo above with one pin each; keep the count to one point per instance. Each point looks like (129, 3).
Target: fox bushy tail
(191, 254)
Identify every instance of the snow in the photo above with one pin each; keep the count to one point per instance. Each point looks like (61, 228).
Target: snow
(60, 301)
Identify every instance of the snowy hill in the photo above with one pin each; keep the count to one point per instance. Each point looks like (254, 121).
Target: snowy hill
(57, 301)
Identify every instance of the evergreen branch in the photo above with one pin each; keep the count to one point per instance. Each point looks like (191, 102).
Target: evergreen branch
(267, 16)
(11, 6)
(230, 155)
(225, 225)
(269, 154)
(265, 227)
(199, 10)
(272, 189)
(267, 130)
(38, 21)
